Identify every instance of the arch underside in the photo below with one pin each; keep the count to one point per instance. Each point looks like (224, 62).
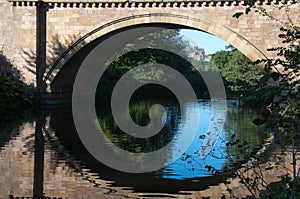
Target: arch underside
(64, 71)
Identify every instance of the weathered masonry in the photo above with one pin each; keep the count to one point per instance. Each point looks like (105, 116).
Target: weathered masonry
(88, 20)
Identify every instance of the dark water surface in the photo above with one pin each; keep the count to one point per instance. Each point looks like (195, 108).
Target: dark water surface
(45, 157)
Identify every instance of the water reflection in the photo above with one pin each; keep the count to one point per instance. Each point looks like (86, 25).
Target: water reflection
(46, 158)
(39, 148)
(139, 114)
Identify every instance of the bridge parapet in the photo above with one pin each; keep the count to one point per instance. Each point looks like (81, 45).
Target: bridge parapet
(142, 3)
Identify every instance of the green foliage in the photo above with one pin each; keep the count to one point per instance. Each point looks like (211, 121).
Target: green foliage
(7, 68)
(238, 71)
(283, 82)
(285, 188)
(146, 56)
(145, 51)
(15, 95)
(168, 39)
(286, 105)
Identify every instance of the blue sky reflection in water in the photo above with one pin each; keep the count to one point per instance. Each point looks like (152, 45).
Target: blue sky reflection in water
(191, 165)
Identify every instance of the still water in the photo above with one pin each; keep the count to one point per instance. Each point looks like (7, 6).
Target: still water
(45, 157)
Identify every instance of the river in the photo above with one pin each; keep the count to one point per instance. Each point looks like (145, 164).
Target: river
(43, 155)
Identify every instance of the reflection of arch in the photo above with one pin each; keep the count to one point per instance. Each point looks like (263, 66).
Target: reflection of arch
(221, 31)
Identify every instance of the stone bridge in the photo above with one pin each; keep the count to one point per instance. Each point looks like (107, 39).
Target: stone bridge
(47, 27)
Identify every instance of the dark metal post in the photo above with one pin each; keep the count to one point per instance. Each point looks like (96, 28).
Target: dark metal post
(41, 20)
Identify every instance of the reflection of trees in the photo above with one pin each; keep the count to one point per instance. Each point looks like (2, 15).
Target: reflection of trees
(9, 128)
(243, 138)
(139, 114)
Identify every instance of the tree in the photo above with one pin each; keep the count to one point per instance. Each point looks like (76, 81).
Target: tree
(282, 78)
(15, 95)
(238, 71)
(148, 50)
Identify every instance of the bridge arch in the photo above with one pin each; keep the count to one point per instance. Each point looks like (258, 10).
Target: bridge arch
(180, 20)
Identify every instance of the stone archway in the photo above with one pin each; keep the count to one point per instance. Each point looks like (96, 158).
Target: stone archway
(221, 31)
